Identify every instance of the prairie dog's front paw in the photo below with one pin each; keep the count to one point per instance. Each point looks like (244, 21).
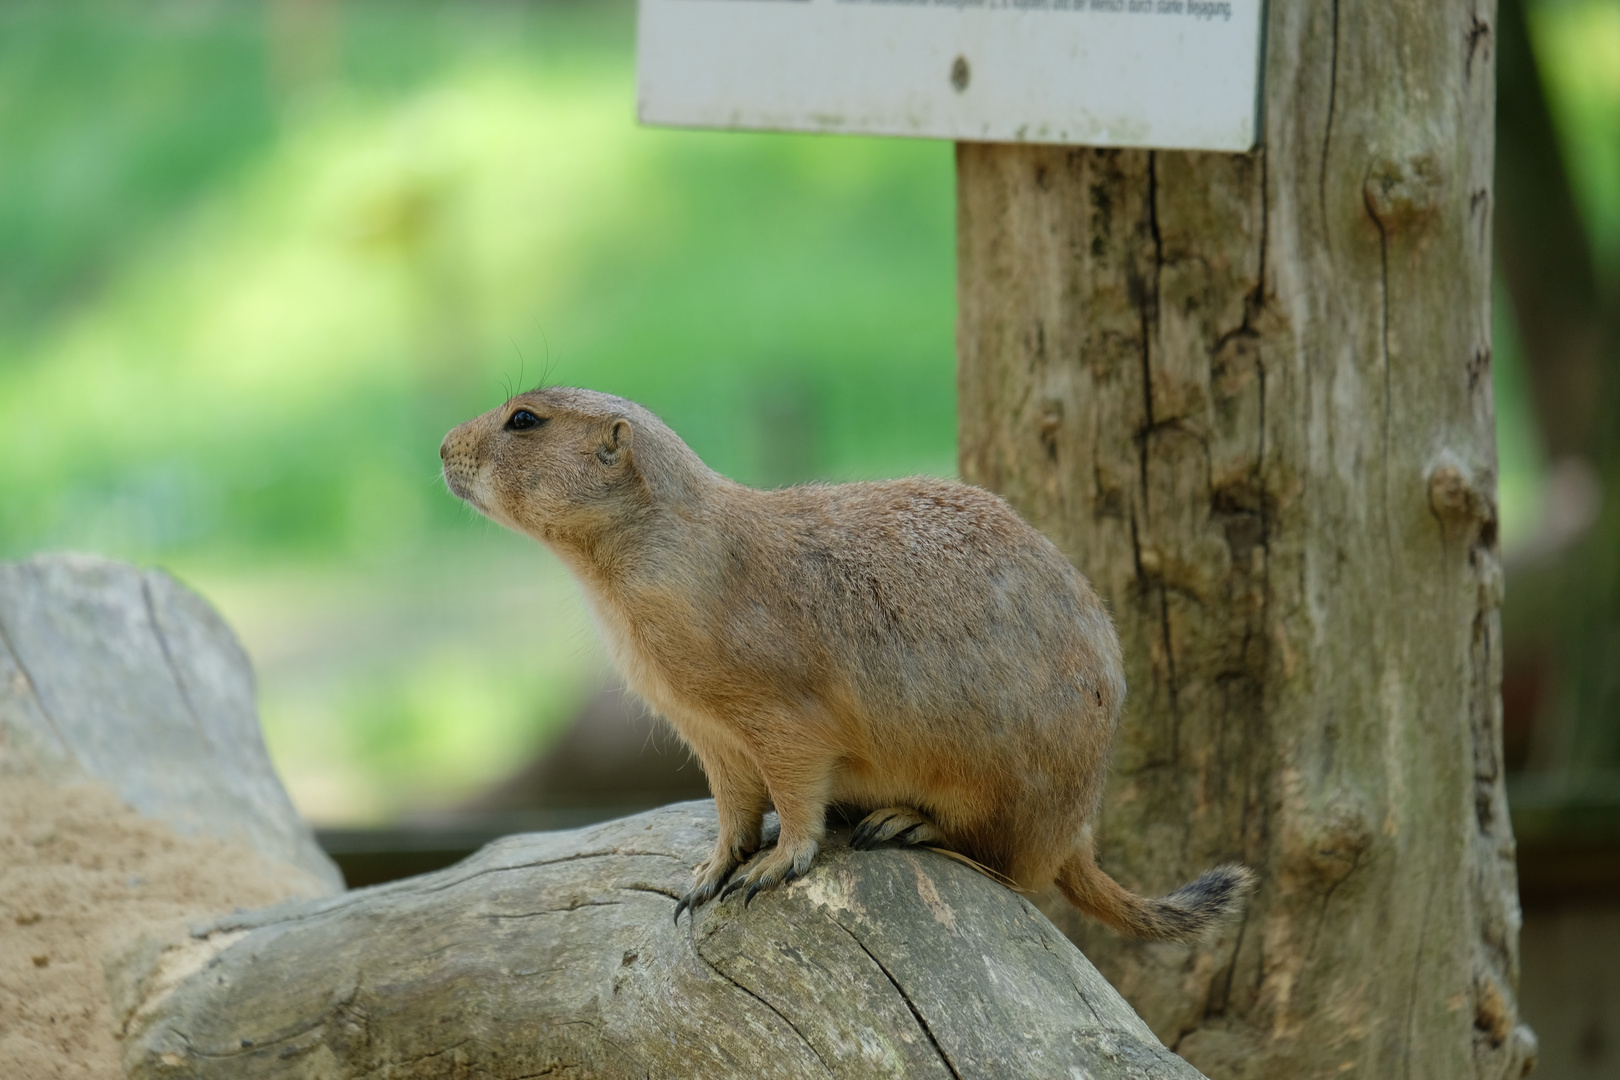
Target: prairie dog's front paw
(778, 866)
(711, 874)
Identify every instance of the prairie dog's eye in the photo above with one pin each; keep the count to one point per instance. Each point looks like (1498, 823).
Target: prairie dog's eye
(523, 420)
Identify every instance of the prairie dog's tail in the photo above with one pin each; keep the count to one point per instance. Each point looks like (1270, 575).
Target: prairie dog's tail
(1183, 915)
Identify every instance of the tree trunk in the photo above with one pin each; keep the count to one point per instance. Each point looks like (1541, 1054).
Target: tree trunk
(1251, 397)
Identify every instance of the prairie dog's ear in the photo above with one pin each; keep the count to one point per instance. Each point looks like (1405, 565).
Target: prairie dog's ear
(616, 439)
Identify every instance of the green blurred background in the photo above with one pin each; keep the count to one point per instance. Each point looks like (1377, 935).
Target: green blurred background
(256, 258)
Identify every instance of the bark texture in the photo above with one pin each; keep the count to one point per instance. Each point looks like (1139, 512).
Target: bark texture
(555, 954)
(1250, 396)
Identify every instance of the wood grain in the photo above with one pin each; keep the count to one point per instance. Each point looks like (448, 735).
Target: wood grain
(556, 954)
(1250, 397)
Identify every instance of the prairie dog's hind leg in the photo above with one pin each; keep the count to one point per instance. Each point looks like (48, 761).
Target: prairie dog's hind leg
(739, 800)
(904, 824)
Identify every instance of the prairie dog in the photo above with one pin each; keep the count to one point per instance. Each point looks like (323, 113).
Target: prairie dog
(910, 648)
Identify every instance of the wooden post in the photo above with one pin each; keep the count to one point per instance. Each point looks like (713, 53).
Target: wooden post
(1251, 397)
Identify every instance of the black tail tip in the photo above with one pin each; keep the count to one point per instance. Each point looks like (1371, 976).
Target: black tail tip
(1215, 896)
(1190, 912)
(1222, 889)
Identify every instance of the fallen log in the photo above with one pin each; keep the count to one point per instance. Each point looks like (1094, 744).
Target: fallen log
(555, 953)
(543, 954)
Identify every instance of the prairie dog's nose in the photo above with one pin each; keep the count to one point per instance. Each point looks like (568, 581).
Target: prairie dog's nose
(444, 448)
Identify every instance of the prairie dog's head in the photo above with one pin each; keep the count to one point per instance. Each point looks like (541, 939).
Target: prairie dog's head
(555, 464)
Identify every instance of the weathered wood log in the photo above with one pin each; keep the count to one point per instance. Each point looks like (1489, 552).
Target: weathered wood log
(555, 953)
(548, 953)
(124, 676)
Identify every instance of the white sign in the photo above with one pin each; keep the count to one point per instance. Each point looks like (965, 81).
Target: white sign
(1174, 74)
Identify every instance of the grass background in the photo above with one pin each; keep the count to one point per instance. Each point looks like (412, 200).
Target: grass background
(256, 257)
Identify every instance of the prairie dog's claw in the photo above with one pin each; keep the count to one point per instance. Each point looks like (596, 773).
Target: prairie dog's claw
(695, 898)
(900, 823)
(861, 838)
(776, 867)
(712, 875)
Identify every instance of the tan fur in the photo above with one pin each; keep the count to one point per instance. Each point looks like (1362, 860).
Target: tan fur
(909, 647)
